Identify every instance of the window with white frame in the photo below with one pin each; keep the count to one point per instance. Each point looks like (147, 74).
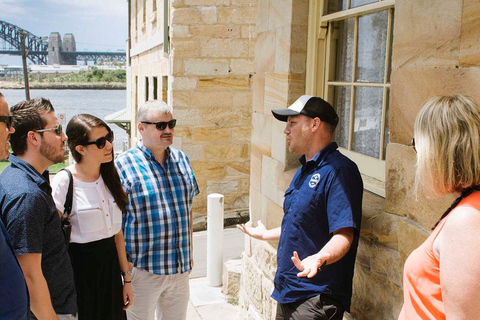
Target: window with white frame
(350, 64)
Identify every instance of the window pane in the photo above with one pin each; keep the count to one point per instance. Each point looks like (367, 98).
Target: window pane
(387, 126)
(345, 49)
(336, 5)
(358, 3)
(367, 121)
(342, 105)
(372, 43)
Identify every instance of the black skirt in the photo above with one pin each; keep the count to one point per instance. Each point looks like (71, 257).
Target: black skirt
(98, 280)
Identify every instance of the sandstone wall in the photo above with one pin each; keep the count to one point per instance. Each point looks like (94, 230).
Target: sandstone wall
(211, 64)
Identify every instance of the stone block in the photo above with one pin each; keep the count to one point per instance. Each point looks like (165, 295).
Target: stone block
(232, 271)
(255, 168)
(184, 83)
(194, 15)
(399, 188)
(410, 237)
(180, 31)
(176, 67)
(258, 93)
(222, 152)
(194, 152)
(223, 31)
(184, 132)
(414, 87)
(223, 187)
(269, 305)
(282, 49)
(242, 99)
(265, 53)
(300, 10)
(265, 257)
(274, 214)
(252, 277)
(245, 151)
(272, 171)
(241, 66)
(262, 15)
(205, 134)
(262, 132)
(187, 117)
(248, 31)
(181, 99)
(224, 117)
(241, 134)
(280, 13)
(243, 3)
(225, 48)
(276, 92)
(470, 41)
(211, 98)
(253, 314)
(279, 144)
(298, 63)
(387, 301)
(427, 34)
(233, 202)
(219, 83)
(256, 205)
(236, 15)
(239, 169)
(206, 67)
(185, 48)
(208, 170)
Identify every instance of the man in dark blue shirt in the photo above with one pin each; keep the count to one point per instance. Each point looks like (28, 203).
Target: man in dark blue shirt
(321, 225)
(30, 215)
(13, 289)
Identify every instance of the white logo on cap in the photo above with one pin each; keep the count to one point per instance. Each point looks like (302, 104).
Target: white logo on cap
(314, 180)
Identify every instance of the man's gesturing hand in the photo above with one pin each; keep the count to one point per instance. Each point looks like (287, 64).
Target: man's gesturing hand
(309, 266)
(254, 232)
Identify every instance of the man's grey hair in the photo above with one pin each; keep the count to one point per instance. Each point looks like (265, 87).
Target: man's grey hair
(152, 106)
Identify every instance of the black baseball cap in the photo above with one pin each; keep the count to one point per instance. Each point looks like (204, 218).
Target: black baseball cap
(310, 106)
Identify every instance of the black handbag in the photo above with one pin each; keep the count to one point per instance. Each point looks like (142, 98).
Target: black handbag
(66, 225)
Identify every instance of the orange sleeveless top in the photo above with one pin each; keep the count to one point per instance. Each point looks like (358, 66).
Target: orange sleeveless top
(422, 294)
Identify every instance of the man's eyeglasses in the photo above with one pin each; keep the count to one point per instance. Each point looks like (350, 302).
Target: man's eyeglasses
(413, 145)
(101, 142)
(58, 130)
(8, 120)
(162, 125)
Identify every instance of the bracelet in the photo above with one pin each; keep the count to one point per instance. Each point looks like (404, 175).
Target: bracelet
(126, 273)
(125, 281)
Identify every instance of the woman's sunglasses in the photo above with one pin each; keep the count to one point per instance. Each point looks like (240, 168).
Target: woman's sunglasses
(163, 125)
(101, 142)
(8, 120)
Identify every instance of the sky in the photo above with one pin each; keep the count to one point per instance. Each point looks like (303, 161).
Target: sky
(98, 25)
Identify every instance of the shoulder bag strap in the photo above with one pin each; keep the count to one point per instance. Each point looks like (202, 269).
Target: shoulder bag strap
(68, 200)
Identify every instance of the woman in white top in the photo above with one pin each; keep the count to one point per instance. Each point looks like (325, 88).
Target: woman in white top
(97, 246)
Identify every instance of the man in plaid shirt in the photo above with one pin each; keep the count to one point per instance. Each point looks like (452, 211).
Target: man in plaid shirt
(157, 222)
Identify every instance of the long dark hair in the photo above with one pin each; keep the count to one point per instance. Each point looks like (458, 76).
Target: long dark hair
(78, 131)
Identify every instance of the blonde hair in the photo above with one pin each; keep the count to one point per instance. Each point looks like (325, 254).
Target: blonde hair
(447, 139)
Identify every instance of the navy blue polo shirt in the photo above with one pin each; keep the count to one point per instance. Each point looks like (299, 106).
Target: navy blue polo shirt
(33, 224)
(14, 302)
(325, 195)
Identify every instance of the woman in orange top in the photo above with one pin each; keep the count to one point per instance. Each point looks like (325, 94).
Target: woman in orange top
(442, 277)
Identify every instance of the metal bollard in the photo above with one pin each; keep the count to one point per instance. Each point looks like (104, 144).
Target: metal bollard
(215, 206)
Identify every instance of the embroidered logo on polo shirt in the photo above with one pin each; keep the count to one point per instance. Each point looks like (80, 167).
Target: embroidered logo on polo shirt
(314, 180)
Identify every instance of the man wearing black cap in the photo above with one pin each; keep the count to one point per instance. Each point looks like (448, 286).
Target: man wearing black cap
(320, 229)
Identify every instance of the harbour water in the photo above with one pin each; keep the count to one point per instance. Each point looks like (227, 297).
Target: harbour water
(71, 102)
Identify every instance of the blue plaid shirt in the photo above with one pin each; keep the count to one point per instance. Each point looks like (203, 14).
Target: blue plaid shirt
(156, 222)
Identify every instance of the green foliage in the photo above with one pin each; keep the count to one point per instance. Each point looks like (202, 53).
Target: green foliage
(53, 168)
(95, 75)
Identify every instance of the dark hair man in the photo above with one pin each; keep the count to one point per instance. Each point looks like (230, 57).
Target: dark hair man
(29, 211)
(321, 225)
(14, 294)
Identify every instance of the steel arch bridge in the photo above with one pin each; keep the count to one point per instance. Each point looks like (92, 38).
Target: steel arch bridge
(37, 47)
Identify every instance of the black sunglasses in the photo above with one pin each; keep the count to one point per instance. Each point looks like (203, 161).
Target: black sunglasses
(413, 145)
(163, 125)
(8, 120)
(58, 130)
(101, 142)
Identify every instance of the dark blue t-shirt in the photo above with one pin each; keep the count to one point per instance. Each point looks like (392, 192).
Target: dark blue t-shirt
(32, 221)
(325, 195)
(14, 302)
